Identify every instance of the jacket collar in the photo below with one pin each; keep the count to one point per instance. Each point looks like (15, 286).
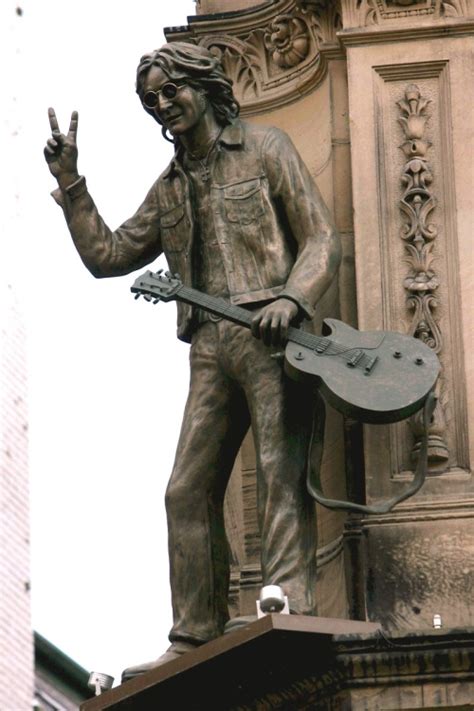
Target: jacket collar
(232, 135)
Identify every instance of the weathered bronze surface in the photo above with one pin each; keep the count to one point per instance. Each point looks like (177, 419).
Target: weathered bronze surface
(238, 215)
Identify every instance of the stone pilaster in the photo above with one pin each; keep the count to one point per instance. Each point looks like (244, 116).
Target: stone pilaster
(411, 117)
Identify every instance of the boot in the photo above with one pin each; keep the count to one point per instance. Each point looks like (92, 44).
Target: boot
(176, 650)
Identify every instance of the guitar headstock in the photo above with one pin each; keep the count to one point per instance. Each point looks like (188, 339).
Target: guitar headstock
(157, 286)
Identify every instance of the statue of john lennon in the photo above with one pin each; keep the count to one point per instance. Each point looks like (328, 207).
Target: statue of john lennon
(238, 216)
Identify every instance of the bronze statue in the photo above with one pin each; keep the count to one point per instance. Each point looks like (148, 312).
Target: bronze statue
(237, 215)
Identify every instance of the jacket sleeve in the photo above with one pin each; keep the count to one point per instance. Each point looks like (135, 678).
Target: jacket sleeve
(318, 249)
(105, 252)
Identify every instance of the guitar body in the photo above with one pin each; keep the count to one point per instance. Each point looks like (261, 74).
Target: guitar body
(375, 377)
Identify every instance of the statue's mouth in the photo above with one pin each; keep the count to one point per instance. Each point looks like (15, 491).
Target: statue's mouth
(171, 118)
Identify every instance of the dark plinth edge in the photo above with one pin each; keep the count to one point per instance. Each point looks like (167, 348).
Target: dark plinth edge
(270, 653)
(297, 661)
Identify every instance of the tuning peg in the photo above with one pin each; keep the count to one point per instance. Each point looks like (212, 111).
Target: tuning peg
(155, 301)
(137, 296)
(148, 297)
(168, 275)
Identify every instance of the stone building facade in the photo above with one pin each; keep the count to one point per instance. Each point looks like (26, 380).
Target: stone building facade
(377, 95)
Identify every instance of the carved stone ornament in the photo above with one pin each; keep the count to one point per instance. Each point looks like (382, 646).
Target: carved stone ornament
(287, 40)
(363, 13)
(274, 53)
(419, 235)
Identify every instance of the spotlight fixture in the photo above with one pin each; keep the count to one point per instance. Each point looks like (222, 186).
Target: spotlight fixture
(272, 599)
(100, 682)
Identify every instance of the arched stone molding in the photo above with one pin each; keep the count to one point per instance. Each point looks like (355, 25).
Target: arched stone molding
(274, 53)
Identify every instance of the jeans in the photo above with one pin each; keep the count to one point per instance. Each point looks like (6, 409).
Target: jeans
(235, 382)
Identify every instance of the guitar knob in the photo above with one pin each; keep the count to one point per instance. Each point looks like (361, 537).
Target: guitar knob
(419, 361)
(397, 354)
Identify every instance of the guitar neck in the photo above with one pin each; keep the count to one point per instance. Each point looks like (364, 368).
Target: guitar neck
(226, 310)
(215, 305)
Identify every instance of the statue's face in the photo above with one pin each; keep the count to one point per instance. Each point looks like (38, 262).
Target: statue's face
(180, 112)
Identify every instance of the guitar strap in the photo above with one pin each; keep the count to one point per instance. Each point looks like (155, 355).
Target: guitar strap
(315, 456)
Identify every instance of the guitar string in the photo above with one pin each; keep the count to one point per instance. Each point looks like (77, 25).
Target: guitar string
(308, 340)
(240, 315)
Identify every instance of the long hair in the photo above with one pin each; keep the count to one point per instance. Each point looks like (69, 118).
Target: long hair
(197, 67)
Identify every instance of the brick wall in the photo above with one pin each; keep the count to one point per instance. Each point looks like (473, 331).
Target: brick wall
(16, 644)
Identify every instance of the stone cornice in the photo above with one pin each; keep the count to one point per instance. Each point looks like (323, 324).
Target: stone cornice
(275, 53)
(405, 657)
(241, 20)
(403, 33)
(408, 513)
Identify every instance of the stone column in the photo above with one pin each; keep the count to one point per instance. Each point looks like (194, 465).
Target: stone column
(411, 101)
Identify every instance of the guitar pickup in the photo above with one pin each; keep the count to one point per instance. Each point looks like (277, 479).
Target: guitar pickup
(355, 358)
(369, 366)
(322, 346)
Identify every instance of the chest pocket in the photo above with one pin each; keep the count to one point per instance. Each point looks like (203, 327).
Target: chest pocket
(243, 202)
(173, 229)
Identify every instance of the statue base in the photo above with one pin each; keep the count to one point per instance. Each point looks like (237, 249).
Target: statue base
(294, 662)
(266, 658)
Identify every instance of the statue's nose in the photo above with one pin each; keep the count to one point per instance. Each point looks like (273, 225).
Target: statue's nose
(163, 103)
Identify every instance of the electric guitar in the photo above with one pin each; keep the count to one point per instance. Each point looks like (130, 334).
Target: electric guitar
(374, 376)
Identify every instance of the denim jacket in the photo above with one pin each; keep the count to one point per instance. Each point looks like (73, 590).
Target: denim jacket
(275, 234)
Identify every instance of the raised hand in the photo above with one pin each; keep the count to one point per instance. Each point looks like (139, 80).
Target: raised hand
(61, 150)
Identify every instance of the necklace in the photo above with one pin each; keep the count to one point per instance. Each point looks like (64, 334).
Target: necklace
(204, 172)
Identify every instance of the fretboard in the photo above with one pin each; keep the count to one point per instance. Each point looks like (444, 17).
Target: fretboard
(221, 307)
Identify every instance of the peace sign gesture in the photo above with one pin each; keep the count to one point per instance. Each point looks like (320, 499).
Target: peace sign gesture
(61, 150)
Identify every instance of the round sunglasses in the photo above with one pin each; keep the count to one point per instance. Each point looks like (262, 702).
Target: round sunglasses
(169, 91)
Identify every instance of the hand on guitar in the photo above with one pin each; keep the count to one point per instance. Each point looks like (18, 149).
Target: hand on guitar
(272, 322)
(61, 150)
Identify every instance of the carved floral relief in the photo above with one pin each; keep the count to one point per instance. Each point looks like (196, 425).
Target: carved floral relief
(287, 39)
(419, 234)
(280, 56)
